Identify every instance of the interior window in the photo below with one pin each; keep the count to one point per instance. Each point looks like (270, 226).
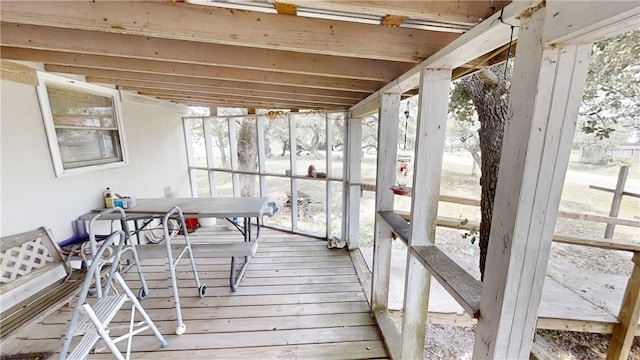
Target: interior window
(83, 124)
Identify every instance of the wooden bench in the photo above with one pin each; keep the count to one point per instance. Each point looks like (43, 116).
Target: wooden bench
(34, 281)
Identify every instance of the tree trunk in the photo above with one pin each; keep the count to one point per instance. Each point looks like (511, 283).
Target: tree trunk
(247, 156)
(222, 145)
(489, 91)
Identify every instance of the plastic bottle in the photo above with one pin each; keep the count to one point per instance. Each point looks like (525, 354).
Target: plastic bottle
(108, 198)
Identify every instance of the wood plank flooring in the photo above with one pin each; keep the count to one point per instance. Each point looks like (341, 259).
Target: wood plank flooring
(298, 300)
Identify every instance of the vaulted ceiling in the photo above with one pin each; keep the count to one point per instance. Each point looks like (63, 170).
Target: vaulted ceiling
(298, 54)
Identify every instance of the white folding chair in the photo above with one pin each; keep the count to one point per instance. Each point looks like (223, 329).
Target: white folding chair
(91, 320)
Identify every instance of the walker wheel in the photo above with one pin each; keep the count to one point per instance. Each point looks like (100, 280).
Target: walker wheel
(142, 294)
(181, 329)
(202, 290)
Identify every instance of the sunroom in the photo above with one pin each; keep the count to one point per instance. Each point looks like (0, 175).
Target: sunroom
(287, 94)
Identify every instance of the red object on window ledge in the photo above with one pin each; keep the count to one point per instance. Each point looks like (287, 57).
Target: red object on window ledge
(192, 224)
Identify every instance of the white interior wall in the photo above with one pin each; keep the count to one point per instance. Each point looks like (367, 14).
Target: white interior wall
(32, 196)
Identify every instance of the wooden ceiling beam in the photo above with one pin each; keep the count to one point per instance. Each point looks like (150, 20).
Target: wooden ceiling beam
(194, 70)
(174, 20)
(253, 96)
(241, 98)
(231, 102)
(113, 76)
(142, 47)
(227, 91)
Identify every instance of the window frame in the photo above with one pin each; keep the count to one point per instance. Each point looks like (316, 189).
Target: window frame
(47, 79)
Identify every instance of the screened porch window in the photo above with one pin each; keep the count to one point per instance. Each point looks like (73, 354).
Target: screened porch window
(83, 124)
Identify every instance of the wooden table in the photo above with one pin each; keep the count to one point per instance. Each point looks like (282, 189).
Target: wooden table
(166, 209)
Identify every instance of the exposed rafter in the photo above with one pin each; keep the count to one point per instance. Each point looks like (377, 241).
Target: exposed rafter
(232, 27)
(263, 53)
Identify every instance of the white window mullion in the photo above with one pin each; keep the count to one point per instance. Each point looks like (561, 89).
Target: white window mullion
(233, 145)
(261, 155)
(294, 183)
(328, 185)
(208, 144)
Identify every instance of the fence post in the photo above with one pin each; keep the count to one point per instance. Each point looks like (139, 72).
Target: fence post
(617, 199)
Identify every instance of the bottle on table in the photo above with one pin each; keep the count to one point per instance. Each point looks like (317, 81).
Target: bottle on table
(108, 198)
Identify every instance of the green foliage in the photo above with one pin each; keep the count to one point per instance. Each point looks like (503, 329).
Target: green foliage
(472, 234)
(461, 107)
(611, 100)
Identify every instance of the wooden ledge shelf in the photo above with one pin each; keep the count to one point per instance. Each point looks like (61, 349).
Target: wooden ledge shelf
(609, 244)
(457, 281)
(399, 225)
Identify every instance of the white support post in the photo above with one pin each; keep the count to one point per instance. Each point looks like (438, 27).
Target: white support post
(353, 177)
(430, 136)
(261, 154)
(546, 90)
(233, 154)
(189, 148)
(388, 120)
(292, 162)
(208, 144)
(328, 184)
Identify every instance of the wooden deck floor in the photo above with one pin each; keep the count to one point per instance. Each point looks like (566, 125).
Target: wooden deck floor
(298, 300)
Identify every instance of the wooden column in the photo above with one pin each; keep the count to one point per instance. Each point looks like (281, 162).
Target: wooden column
(625, 331)
(353, 176)
(388, 120)
(427, 172)
(546, 90)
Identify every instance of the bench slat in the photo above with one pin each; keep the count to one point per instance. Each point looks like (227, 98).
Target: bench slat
(40, 305)
(458, 282)
(399, 225)
(209, 249)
